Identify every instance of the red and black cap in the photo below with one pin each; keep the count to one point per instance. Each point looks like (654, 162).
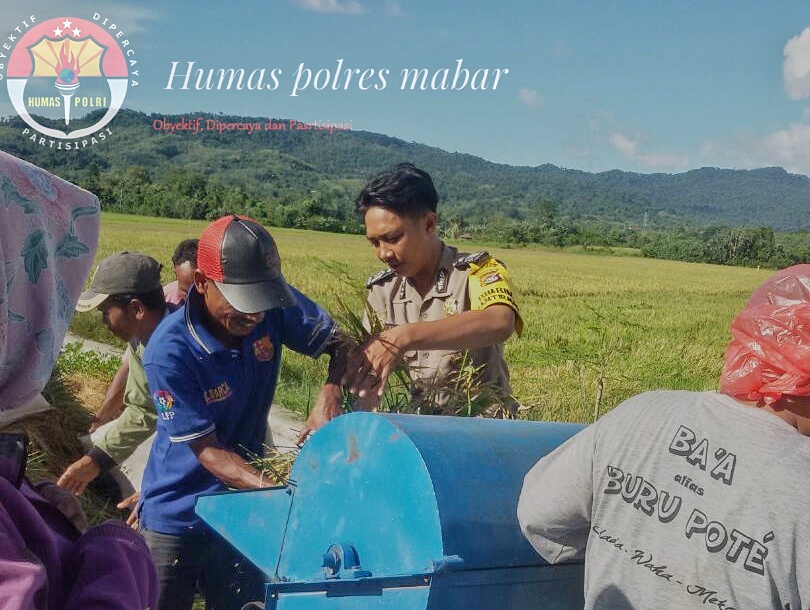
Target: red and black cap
(239, 255)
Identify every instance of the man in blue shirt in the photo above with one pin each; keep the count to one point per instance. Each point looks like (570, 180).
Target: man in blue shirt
(212, 368)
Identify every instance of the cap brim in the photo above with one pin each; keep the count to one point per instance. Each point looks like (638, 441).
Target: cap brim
(258, 297)
(89, 300)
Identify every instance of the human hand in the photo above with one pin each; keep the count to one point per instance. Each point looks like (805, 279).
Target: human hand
(79, 474)
(328, 405)
(131, 502)
(368, 370)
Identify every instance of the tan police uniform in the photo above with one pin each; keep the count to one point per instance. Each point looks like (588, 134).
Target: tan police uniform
(463, 282)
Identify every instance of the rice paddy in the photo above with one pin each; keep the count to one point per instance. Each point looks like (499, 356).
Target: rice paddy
(598, 328)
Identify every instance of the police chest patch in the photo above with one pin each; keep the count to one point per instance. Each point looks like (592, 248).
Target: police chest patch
(263, 349)
(164, 403)
(220, 392)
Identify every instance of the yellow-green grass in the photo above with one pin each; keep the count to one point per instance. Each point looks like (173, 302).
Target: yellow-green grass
(623, 322)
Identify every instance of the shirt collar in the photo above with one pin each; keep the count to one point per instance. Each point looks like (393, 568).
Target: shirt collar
(200, 335)
(441, 285)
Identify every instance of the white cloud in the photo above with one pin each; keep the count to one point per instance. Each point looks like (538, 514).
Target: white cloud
(394, 9)
(631, 149)
(625, 145)
(345, 7)
(531, 98)
(788, 148)
(796, 69)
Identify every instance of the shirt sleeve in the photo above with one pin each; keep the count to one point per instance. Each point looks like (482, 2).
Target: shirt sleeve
(178, 399)
(556, 502)
(25, 577)
(491, 284)
(137, 422)
(306, 327)
(113, 570)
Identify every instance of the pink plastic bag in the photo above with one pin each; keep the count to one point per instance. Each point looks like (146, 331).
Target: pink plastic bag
(769, 353)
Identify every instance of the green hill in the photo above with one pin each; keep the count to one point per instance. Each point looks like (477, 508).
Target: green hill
(142, 169)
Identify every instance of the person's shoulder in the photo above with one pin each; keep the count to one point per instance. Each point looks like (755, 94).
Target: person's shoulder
(168, 338)
(661, 399)
(475, 260)
(380, 278)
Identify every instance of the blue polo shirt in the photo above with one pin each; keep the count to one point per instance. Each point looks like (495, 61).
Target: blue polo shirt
(199, 386)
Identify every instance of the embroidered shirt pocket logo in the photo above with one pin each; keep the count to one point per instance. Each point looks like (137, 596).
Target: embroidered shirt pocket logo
(263, 349)
(218, 393)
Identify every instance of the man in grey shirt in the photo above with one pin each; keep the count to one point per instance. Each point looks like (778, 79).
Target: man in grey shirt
(694, 499)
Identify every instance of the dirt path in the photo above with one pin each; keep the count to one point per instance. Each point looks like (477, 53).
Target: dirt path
(283, 424)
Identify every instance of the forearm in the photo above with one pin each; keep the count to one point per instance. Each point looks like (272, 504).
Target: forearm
(466, 330)
(227, 466)
(114, 398)
(338, 349)
(132, 428)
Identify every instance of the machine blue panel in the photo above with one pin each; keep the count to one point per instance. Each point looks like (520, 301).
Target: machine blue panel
(477, 468)
(404, 598)
(361, 481)
(530, 588)
(401, 511)
(252, 521)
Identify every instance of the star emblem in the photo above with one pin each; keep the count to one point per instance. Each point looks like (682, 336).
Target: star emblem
(76, 32)
(57, 32)
(67, 23)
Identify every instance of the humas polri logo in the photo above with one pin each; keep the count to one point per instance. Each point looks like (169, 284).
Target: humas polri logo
(61, 71)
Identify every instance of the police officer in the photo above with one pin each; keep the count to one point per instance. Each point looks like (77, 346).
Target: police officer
(432, 303)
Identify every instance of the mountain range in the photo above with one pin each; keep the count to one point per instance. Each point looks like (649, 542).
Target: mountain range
(292, 163)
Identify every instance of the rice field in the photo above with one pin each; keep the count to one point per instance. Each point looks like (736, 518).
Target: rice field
(598, 328)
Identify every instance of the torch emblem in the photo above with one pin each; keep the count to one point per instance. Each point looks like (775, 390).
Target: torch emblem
(66, 59)
(67, 51)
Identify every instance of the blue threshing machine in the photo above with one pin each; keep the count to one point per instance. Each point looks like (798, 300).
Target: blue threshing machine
(404, 512)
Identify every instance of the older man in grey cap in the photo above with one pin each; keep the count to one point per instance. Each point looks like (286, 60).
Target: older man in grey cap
(127, 290)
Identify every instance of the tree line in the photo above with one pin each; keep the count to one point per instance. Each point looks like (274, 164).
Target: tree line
(309, 181)
(180, 193)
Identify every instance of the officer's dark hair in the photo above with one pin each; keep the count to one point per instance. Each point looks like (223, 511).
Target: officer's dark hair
(186, 252)
(153, 300)
(404, 189)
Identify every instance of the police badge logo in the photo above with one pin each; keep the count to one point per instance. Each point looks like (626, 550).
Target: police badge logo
(64, 66)
(451, 307)
(263, 349)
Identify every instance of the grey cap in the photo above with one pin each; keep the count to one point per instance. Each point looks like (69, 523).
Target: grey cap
(121, 273)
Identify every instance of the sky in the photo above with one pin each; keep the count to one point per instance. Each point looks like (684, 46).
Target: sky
(594, 85)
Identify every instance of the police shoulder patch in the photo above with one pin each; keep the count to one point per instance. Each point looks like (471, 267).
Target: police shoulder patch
(475, 258)
(379, 277)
